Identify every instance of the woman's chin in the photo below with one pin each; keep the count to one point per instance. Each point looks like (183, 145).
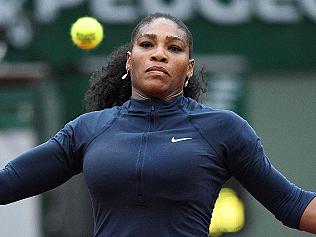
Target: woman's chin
(156, 89)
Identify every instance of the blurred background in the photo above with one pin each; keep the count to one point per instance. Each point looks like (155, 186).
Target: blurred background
(260, 60)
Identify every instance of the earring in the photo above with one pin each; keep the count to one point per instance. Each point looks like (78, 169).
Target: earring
(126, 74)
(186, 81)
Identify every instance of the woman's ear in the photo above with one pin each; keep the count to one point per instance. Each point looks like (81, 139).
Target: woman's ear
(128, 60)
(190, 68)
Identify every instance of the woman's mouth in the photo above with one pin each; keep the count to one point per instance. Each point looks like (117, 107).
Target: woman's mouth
(158, 69)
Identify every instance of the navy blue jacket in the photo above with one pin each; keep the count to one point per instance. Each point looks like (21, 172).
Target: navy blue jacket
(155, 168)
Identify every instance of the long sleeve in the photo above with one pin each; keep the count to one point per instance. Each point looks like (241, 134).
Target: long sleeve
(35, 171)
(250, 165)
(52, 163)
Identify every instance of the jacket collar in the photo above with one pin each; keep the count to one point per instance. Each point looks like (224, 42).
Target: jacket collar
(134, 105)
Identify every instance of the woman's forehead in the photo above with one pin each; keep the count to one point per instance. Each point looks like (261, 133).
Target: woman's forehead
(162, 26)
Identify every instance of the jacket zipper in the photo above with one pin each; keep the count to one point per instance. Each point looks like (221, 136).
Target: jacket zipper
(140, 160)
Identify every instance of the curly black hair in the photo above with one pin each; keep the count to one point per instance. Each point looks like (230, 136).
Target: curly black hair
(107, 89)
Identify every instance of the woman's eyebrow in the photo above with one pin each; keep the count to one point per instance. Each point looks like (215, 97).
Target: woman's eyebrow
(176, 38)
(151, 36)
(170, 37)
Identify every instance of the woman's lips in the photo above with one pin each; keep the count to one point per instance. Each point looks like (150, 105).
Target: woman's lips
(158, 69)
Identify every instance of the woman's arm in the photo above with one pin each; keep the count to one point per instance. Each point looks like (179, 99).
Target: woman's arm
(250, 165)
(36, 171)
(308, 220)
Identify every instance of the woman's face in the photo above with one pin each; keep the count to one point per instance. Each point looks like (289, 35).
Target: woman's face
(159, 60)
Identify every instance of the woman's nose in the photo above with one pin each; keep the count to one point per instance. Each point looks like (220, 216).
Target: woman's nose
(159, 55)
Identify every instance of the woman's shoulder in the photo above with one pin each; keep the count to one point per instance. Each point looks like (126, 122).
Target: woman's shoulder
(91, 122)
(220, 126)
(209, 115)
(96, 116)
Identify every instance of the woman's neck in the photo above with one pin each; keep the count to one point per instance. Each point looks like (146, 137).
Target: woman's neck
(138, 96)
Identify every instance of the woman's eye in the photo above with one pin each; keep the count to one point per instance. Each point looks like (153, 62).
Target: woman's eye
(175, 49)
(146, 44)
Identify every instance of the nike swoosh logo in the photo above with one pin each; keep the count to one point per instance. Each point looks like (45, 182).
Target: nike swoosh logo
(180, 139)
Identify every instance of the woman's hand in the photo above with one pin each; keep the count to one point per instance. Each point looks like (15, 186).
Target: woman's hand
(308, 220)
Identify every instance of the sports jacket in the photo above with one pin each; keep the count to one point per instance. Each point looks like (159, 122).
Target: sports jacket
(155, 168)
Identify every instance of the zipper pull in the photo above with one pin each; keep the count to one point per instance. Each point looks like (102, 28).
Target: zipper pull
(152, 115)
(152, 112)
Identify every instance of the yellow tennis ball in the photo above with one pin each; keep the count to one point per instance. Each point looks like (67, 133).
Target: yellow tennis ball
(86, 33)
